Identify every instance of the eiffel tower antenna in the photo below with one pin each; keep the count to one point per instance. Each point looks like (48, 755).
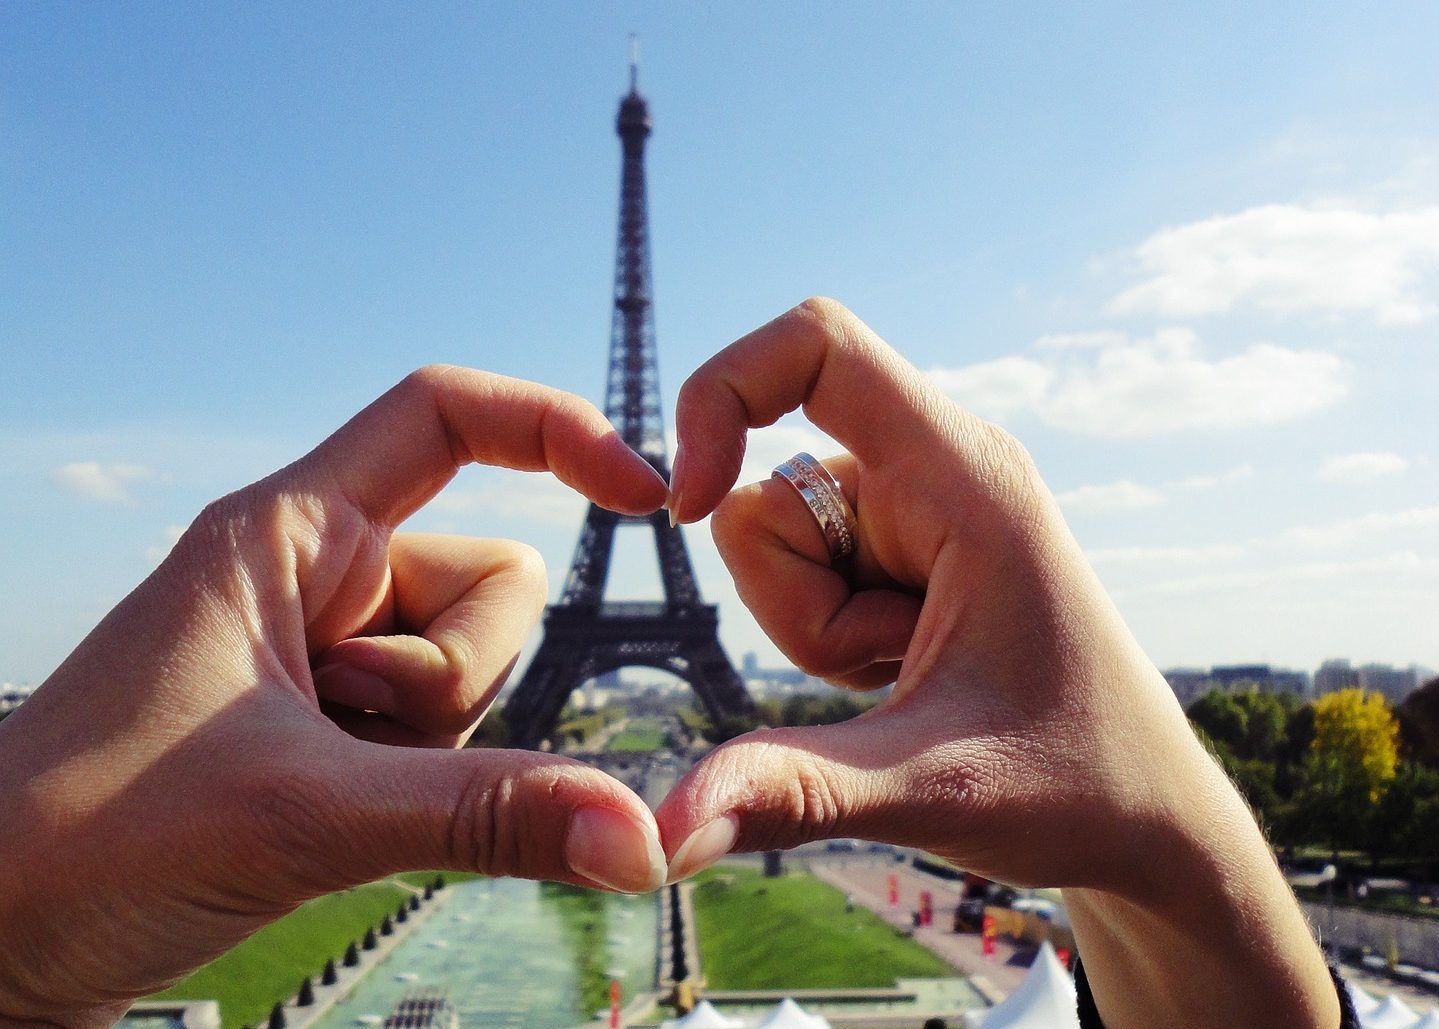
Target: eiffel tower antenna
(634, 62)
(585, 636)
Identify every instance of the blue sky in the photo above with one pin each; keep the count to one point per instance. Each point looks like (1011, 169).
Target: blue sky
(1190, 257)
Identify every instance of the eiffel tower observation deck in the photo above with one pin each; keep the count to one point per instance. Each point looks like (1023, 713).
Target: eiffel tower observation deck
(584, 636)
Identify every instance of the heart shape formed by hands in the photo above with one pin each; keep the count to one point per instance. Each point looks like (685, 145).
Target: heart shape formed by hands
(215, 751)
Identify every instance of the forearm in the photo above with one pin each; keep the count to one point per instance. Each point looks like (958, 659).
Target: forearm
(1217, 941)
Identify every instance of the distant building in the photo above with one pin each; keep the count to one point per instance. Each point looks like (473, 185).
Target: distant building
(1334, 675)
(1262, 678)
(1394, 683)
(1189, 684)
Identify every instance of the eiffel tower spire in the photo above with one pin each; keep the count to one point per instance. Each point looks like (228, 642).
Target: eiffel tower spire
(584, 636)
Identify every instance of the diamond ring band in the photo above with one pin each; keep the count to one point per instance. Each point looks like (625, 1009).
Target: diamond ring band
(821, 494)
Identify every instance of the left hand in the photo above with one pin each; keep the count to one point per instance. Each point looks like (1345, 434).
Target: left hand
(216, 750)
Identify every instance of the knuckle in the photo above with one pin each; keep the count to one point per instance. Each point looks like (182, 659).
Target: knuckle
(472, 838)
(528, 568)
(497, 826)
(1008, 467)
(803, 798)
(428, 379)
(825, 313)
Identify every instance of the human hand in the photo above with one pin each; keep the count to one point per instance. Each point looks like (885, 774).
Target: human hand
(1028, 738)
(216, 751)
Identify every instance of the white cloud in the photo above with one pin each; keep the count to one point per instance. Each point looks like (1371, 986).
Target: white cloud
(102, 483)
(1123, 495)
(1291, 258)
(527, 497)
(1350, 530)
(1080, 340)
(767, 447)
(1399, 563)
(1203, 483)
(1361, 467)
(997, 389)
(1150, 386)
(170, 537)
(1164, 555)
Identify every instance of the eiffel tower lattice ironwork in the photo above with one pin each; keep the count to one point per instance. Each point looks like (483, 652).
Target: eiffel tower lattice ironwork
(584, 636)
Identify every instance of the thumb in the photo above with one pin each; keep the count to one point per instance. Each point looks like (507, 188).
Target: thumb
(778, 788)
(360, 811)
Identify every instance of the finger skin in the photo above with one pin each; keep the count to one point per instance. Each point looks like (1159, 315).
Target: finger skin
(401, 450)
(850, 621)
(450, 631)
(818, 357)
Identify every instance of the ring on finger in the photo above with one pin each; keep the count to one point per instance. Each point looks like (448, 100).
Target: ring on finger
(822, 495)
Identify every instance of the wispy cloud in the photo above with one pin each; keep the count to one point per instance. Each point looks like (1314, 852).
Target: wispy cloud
(1291, 258)
(1120, 387)
(101, 483)
(1350, 530)
(1204, 483)
(1361, 467)
(169, 538)
(526, 497)
(1123, 495)
(1126, 495)
(1165, 555)
(1398, 563)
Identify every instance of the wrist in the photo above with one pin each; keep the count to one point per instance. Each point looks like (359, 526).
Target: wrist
(1203, 908)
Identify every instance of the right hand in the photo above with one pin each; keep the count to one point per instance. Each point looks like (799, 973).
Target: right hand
(1028, 737)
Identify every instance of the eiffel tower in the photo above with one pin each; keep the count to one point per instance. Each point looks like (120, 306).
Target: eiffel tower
(585, 637)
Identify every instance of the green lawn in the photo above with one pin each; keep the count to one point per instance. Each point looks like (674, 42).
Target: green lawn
(757, 933)
(640, 736)
(249, 979)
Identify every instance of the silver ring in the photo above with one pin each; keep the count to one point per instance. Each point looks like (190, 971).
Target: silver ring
(822, 495)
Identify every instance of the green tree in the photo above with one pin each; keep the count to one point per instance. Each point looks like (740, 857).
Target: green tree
(1419, 723)
(1224, 720)
(1357, 731)
(1400, 824)
(1352, 760)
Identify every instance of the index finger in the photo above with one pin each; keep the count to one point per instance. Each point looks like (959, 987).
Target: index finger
(817, 356)
(400, 451)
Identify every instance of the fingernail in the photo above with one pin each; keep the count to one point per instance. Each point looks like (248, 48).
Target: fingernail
(704, 847)
(673, 504)
(609, 847)
(351, 687)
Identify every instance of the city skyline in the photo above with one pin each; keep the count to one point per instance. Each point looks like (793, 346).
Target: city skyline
(1191, 262)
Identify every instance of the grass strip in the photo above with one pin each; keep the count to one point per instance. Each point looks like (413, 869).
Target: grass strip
(248, 979)
(793, 932)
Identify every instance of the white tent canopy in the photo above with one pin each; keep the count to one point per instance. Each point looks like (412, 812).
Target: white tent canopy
(785, 1015)
(789, 1015)
(1044, 1000)
(1363, 1002)
(703, 1016)
(1391, 1013)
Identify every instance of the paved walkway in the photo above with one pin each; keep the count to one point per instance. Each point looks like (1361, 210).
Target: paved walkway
(867, 881)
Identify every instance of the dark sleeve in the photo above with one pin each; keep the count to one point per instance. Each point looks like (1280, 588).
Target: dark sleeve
(1089, 1014)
